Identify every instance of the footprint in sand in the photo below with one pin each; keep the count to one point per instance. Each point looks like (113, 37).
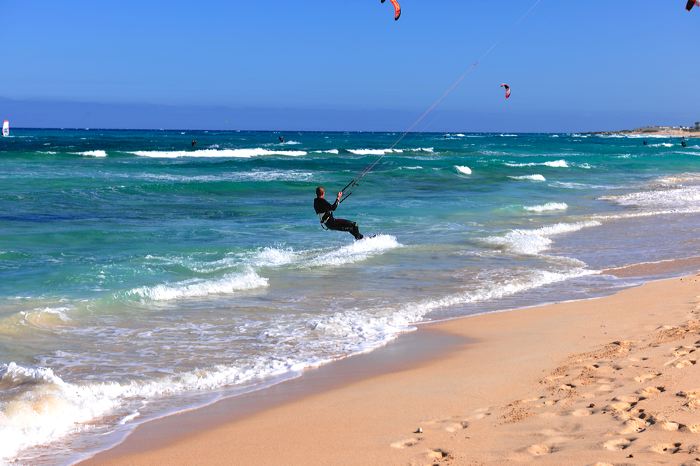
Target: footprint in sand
(539, 450)
(634, 426)
(480, 414)
(437, 454)
(666, 448)
(456, 426)
(685, 363)
(618, 444)
(646, 377)
(409, 442)
(451, 425)
(692, 397)
(691, 429)
(669, 426)
(652, 391)
(683, 351)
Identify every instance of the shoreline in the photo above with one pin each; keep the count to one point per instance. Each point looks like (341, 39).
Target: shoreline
(440, 343)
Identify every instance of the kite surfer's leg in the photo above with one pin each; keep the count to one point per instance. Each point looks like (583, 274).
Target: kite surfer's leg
(339, 224)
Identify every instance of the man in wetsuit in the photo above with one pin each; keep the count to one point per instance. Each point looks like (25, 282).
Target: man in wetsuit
(324, 210)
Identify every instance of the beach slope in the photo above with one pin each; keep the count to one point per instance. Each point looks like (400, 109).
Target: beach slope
(611, 380)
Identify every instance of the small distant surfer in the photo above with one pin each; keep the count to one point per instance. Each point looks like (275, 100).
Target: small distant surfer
(281, 139)
(645, 143)
(324, 210)
(194, 143)
(684, 143)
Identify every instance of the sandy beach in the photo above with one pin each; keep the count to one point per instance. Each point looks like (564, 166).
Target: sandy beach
(603, 381)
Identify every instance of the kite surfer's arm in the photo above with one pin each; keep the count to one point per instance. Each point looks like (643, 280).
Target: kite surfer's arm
(323, 206)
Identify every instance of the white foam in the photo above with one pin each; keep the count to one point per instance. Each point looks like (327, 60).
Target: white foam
(93, 153)
(463, 169)
(380, 327)
(330, 151)
(552, 164)
(533, 242)
(536, 177)
(417, 167)
(548, 207)
(255, 175)
(508, 135)
(357, 251)
(221, 153)
(390, 151)
(48, 408)
(663, 144)
(290, 143)
(679, 198)
(375, 151)
(196, 288)
(273, 257)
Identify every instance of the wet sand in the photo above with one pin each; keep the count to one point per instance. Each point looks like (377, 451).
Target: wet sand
(610, 380)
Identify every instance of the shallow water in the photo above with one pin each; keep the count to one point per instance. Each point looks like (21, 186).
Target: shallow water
(141, 276)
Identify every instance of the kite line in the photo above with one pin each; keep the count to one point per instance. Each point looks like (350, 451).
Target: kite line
(349, 188)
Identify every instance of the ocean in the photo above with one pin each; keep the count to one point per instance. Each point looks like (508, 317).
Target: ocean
(142, 276)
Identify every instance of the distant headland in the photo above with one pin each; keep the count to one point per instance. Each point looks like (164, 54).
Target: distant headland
(668, 131)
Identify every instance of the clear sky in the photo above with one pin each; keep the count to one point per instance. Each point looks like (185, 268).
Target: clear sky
(346, 65)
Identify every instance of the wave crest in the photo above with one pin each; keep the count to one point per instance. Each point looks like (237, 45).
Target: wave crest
(197, 288)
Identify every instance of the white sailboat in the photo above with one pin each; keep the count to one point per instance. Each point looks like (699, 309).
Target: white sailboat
(5, 129)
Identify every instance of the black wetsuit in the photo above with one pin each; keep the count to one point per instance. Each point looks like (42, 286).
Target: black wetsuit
(322, 206)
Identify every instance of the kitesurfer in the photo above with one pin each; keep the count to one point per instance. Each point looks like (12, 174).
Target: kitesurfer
(281, 139)
(684, 143)
(194, 143)
(324, 210)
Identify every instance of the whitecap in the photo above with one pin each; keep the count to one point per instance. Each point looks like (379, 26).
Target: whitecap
(463, 169)
(679, 198)
(548, 207)
(375, 151)
(536, 177)
(533, 242)
(93, 153)
(197, 288)
(357, 251)
(552, 164)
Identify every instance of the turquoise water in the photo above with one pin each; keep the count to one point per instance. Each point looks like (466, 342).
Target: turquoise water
(141, 276)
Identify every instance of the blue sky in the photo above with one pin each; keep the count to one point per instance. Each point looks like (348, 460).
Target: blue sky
(346, 65)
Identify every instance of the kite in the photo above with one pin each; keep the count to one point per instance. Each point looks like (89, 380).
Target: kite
(507, 87)
(691, 4)
(397, 9)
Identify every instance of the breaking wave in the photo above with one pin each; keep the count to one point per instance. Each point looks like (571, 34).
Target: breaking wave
(93, 153)
(536, 177)
(533, 242)
(548, 207)
(197, 288)
(357, 251)
(552, 164)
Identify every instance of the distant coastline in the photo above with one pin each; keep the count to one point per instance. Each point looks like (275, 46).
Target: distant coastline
(666, 131)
